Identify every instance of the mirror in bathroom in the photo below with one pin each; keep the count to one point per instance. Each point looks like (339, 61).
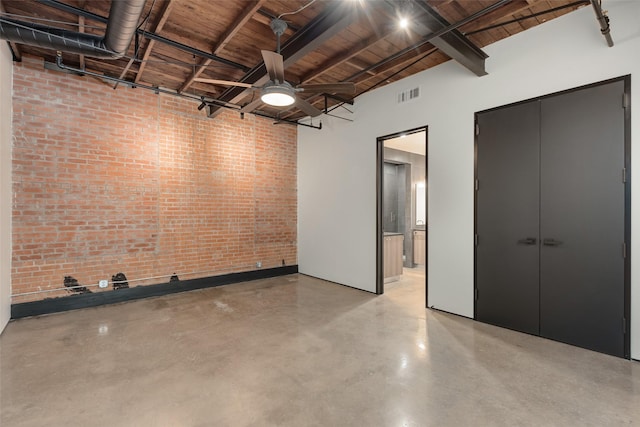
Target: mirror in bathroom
(421, 214)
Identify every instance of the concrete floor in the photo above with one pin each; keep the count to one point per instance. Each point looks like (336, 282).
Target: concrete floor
(297, 351)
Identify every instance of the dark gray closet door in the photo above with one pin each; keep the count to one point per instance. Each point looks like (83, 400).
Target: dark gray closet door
(582, 218)
(507, 255)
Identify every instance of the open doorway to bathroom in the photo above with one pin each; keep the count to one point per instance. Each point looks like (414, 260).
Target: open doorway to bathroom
(402, 209)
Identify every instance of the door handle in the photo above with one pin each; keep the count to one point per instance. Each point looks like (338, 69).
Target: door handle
(551, 242)
(528, 241)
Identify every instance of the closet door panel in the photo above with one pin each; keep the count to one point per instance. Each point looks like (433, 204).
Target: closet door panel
(582, 218)
(507, 222)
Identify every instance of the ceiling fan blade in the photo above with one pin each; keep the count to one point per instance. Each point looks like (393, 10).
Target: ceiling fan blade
(307, 108)
(223, 82)
(344, 87)
(251, 106)
(275, 65)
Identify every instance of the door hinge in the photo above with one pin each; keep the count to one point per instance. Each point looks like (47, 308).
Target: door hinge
(477, 129)
(476, 294)
(624, 175)
(624, 325)
(624, 249)
(625, 101)
(477, 185)
(475, 239)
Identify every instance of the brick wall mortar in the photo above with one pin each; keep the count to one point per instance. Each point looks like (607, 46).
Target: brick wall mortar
(126, 180)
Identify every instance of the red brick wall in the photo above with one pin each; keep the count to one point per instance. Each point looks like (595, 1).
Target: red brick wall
(126, 180)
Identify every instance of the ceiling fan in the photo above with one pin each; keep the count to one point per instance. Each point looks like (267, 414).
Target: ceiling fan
(277, 91)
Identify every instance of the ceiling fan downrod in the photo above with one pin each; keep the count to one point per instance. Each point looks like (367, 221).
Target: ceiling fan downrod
(278, 26)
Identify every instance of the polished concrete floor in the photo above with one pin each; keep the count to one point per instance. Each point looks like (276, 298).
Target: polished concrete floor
(297, 351)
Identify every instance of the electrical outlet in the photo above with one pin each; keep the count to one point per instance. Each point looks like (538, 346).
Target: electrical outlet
(103, 283)
(258, 264)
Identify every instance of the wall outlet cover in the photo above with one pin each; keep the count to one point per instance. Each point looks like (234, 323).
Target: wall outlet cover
(103, 283)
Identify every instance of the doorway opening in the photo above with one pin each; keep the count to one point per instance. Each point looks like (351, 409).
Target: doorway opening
(402, 185)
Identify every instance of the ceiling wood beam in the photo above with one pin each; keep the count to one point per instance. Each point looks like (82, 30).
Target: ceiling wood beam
(498, 14)
(521, 17)
(81, 29)
(15, 49)
(399, 62)
(164, 16)
(345, 56)
(125, 70)
(360, 65)
(240, 21)
(333, 19)
(438, 3)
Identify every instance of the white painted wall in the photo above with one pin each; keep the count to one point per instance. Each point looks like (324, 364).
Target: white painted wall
(337, 204)
(6, 77)
(336, 169)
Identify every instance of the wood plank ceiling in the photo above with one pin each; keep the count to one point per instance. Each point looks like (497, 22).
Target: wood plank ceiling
(181, 41)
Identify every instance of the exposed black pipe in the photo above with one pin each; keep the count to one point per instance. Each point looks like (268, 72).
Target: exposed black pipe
(192, 50)
(209, 102)
(121, 26)
(428, 53)
(54, 38)
(136, 85)
(603, 19)
(286, 121)
(522, 18)
(149, 35)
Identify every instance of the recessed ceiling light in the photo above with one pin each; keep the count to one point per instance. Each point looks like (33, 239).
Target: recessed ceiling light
(404, 22)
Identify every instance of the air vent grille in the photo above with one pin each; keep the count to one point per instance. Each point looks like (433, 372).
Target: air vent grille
(409, 95)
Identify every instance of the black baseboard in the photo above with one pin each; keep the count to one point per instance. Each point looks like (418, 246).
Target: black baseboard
(73, 302)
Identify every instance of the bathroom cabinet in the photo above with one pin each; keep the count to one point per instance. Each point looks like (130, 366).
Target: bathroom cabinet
(419, 247)
(393, 244)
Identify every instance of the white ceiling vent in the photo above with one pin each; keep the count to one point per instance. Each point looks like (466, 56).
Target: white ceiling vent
(408, 95)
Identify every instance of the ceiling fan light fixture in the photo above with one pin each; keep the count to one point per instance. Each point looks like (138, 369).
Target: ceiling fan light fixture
(278, 95)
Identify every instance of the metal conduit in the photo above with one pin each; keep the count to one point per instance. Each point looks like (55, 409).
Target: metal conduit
(603, 19)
